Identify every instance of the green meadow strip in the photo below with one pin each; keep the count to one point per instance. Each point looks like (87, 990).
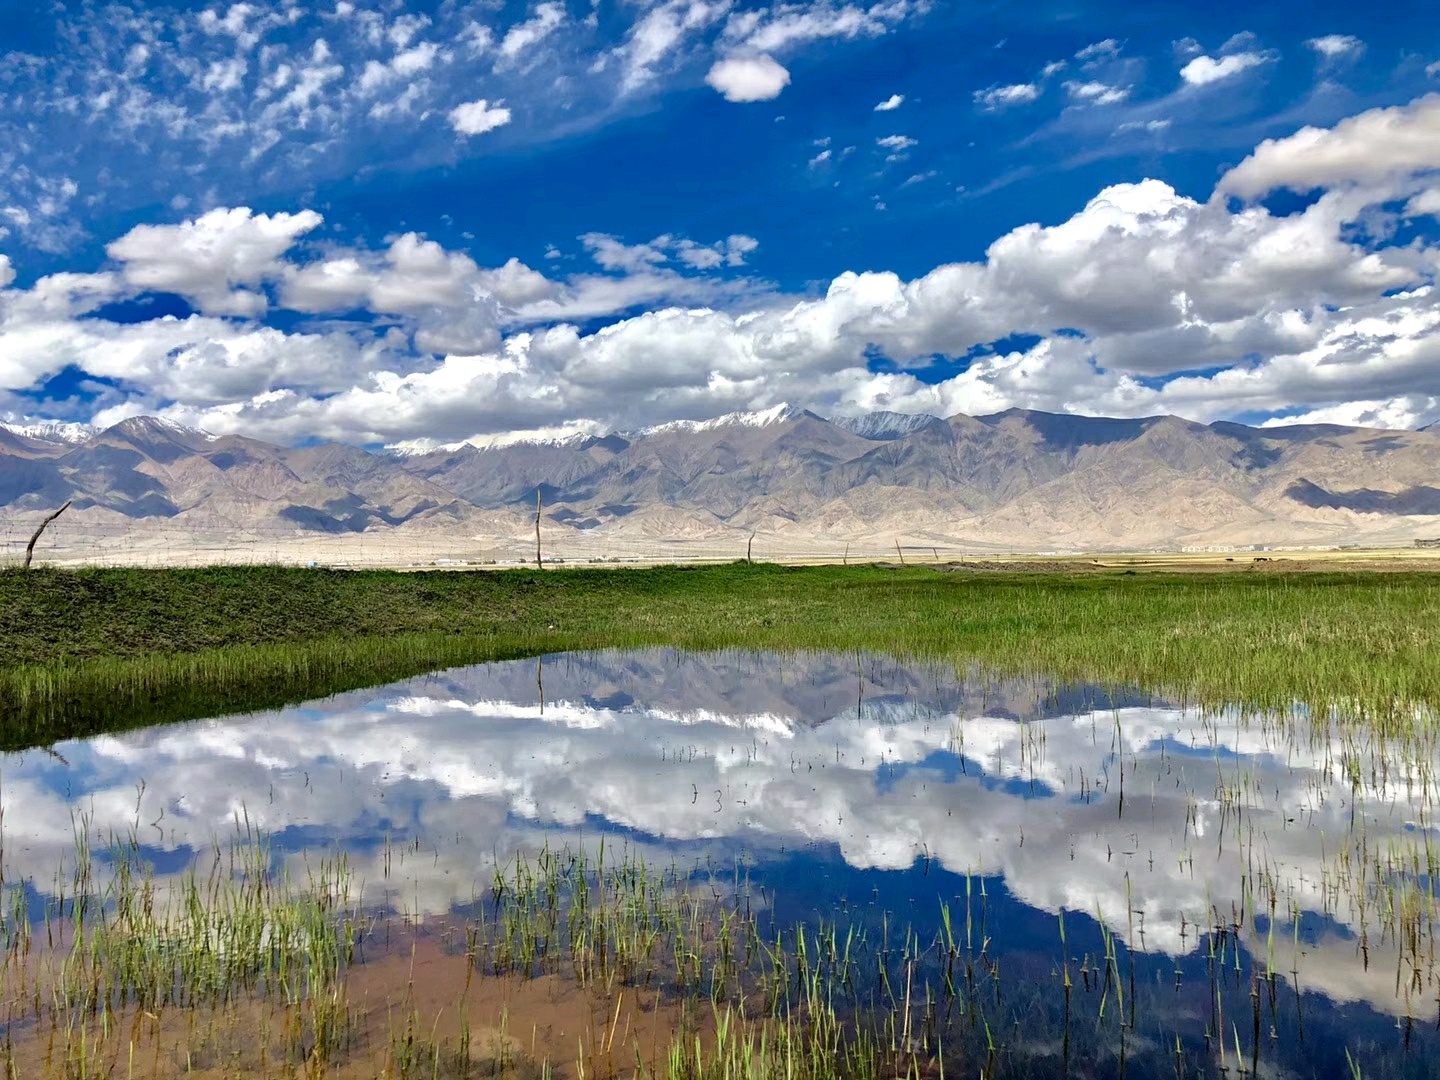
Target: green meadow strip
(94, 650)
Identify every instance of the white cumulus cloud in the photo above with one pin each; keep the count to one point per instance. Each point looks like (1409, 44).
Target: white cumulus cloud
(890, 104)
(216, 261)
(1331, 46)
(1098, 93)
(748, 78)
(1204, 70)
(478, 117)
(1144, 300)
(997, 97)
(1369, 147)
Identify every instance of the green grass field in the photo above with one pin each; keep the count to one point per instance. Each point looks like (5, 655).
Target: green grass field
(93, 650)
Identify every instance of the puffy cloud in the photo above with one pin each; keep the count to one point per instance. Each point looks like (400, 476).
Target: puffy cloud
(217, 261)
(728, 252)
(1144, 300)
(402, 66)
(1140, 257)
(1204, 70)
(61, 296)
(198, 361)
(1374, 146)
(1409, 411)
(590, 296)
(998, 97)
(897, 143)
(1100, 50)
(737, 246)
(422, 275)
(613, 254)
(1331, 46)
(890, 104)
(1427, 202)
(456, 305)
(522, 36)
(415, 60)
(478, 117)
(632, 258)
(515, 284)
(660, 32)
(748, 78)
(1153, 283)
(416, 274)
(7, 271)
(1098, 93)
(786, 25)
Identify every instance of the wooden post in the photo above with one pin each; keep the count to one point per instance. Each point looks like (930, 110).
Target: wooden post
(538, 564)
(899, 552)
(30, 547)
(846, 557)
(748, 545)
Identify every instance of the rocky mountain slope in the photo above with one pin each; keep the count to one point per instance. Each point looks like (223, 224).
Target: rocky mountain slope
(149, 470)
(1021, 480)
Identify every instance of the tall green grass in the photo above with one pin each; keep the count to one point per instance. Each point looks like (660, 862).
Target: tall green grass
(105, 649)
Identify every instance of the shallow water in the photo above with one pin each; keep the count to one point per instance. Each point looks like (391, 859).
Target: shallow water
(1262, 886)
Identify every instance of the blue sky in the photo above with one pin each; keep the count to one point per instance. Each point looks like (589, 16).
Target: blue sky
(383, 222)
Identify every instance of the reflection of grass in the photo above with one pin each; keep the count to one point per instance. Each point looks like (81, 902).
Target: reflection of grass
(106, 649)
(237, 970)
(233, 969)
(122, 948)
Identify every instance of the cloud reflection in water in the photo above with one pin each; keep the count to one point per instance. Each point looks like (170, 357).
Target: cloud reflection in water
(1107, 805)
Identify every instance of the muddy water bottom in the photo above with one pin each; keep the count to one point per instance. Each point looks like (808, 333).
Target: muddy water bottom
(420, 1009)
(1022, 877)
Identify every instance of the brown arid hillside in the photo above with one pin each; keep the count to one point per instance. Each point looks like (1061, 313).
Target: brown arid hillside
(1011, 481)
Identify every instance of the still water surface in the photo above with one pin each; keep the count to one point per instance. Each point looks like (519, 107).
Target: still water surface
(1253, 875)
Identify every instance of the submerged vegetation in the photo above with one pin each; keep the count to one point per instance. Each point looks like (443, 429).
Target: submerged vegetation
(96, 650)
(590, 965)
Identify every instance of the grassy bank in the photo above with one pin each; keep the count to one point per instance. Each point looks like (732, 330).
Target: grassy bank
(108, 649)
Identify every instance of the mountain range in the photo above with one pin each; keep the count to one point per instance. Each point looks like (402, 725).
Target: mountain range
(1013, 480)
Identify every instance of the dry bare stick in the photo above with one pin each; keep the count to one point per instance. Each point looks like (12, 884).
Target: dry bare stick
(30, 547)
(748, 545)
(899, 552)
(538, 564)
(847, 554)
